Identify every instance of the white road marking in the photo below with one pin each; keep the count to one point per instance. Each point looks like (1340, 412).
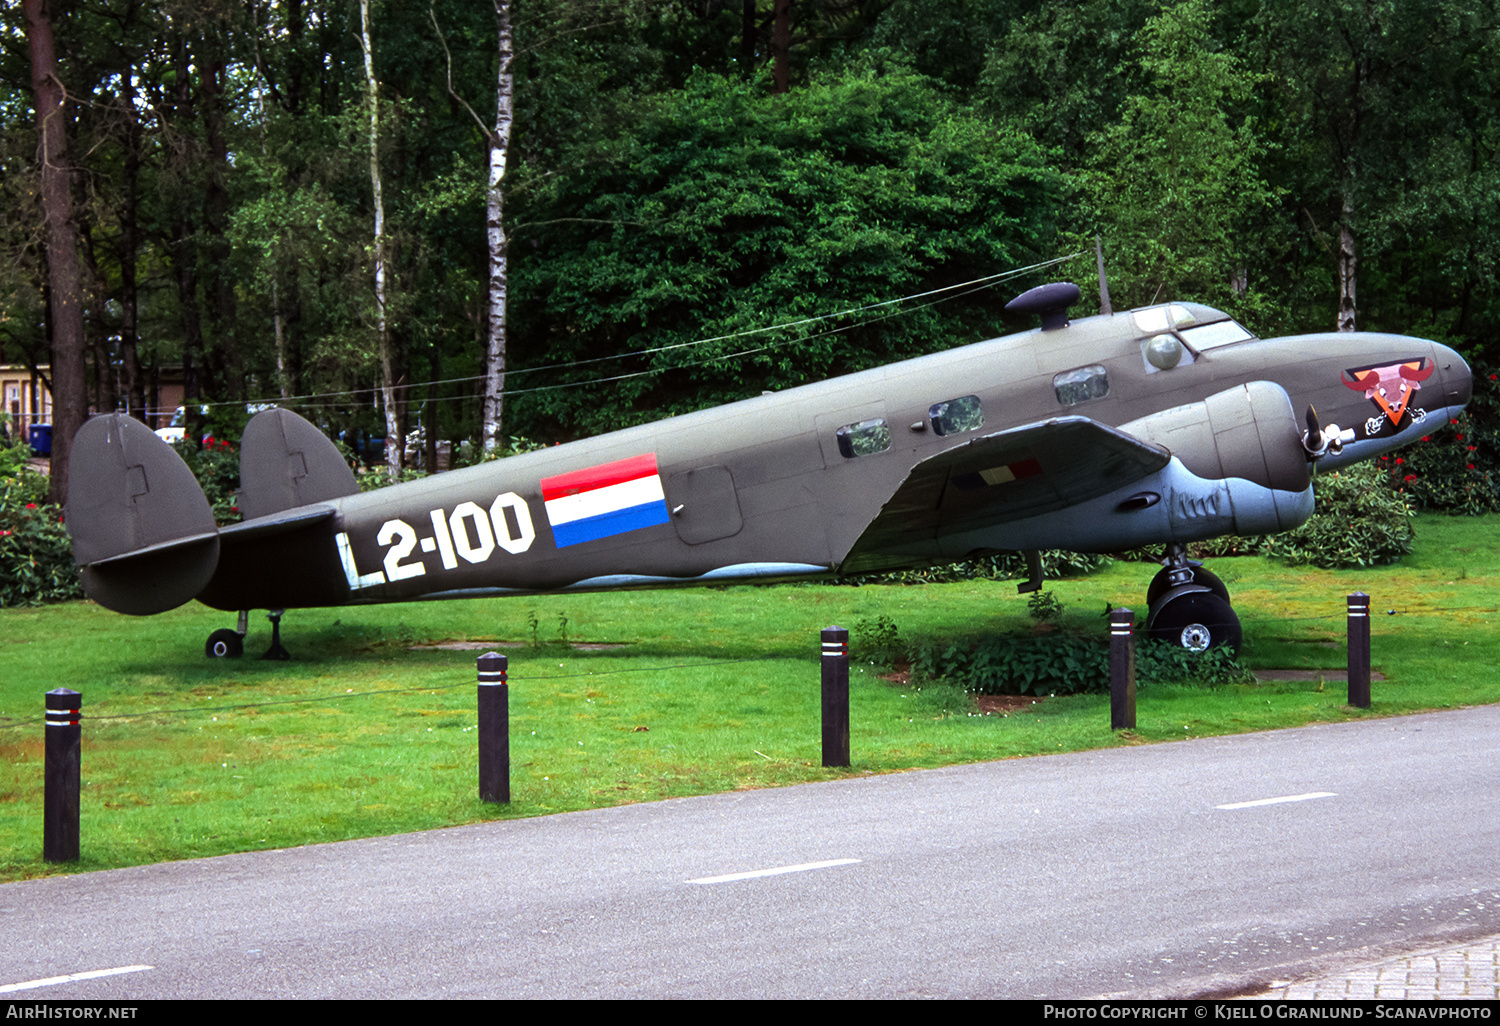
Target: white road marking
(773, 872)
(1278, 801)
(92, 974)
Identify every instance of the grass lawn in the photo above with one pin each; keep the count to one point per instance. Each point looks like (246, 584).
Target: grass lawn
(637, 696)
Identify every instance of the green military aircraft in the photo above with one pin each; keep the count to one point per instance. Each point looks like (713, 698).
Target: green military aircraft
(1159, 426)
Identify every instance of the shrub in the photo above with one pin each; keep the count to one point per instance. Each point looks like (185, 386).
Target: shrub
(1357, 521)
(1452, 470)
(1064, 664)
(36, 555)
(1007, 566)
(878, 640)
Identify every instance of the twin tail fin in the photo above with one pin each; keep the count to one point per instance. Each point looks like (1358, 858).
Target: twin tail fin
(143, 533)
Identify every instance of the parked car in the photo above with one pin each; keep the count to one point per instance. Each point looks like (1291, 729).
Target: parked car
(176, 429)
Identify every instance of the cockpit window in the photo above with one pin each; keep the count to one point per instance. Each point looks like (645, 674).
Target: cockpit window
(956, 415)
(1156, 319)
(864, 438)
(1219, 333)
(1076, 386)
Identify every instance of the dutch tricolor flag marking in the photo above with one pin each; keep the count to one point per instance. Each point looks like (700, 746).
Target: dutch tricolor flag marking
(603, 501)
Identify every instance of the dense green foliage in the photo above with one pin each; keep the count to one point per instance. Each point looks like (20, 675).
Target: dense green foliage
(1456, 468)
(216, 465)
(1176, 184)
(1356, 521)
(725, 210)
(1008, 566)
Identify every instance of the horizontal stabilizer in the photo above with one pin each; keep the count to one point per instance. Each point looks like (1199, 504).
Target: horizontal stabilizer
(156, 578)
(142, 529)
(285, 462)
(268, 526)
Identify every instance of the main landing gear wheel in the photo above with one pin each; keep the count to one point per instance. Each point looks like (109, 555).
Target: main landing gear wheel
(224, 644)
(1195, 618)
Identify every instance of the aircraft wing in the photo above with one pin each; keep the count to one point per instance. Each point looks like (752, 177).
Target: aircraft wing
(1001, 478)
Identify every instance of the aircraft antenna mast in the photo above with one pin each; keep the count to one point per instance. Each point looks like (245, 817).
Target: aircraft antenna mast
(1104, 306)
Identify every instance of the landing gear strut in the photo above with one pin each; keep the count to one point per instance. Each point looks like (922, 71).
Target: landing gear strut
(1190, 606)
(228, 644)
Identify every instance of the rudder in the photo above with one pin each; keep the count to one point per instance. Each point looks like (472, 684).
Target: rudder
(143, 533)
(285, 462)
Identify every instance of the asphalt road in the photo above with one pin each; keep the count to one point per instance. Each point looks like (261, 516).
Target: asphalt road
(1111, 873)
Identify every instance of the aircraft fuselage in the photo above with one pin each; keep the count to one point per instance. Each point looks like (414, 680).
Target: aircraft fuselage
(1082, 437)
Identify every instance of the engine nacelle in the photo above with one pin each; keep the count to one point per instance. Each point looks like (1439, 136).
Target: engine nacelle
(1246, 435)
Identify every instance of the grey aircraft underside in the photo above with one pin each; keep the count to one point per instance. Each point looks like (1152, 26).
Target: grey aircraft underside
(1158, 426)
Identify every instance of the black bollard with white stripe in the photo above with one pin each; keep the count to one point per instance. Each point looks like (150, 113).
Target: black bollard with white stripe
(1359, 650)
(1121, 669)
(835, 696)
(494, 728)
(62, 774)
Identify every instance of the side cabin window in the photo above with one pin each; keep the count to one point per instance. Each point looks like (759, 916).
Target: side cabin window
(1081, 385)
(864, 438)
(956, 415)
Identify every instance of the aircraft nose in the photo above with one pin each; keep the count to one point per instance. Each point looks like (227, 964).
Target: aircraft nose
(1458, 380)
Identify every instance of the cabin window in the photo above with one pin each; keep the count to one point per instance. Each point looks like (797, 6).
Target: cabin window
(864, 438)
(1076, 386)
(956, 415)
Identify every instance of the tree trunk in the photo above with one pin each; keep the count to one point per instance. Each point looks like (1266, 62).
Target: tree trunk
(135, 389)
(1348, 270)
(1348, 257)
(278, 326)
(781, 44)
(747, 38)
(395, 444)
(69, 388)
(499, 144)
(227, 380)
(185, 261)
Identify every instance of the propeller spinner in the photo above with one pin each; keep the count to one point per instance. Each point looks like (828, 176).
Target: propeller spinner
(1321, 441)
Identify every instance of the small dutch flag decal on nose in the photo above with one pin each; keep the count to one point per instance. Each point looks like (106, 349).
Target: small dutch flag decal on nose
(603, 501)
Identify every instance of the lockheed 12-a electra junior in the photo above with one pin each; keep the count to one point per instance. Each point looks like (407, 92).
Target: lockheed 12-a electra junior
(1160, 426)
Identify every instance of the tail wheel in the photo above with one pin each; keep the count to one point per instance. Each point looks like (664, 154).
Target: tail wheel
(224, 644)
(1196, 619)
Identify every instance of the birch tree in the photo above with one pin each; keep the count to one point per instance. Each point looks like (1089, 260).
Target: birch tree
(499, 145)
(395, 444)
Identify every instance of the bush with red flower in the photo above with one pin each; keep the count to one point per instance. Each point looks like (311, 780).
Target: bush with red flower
(1455, 467)
(217, 467)
(36, 554)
